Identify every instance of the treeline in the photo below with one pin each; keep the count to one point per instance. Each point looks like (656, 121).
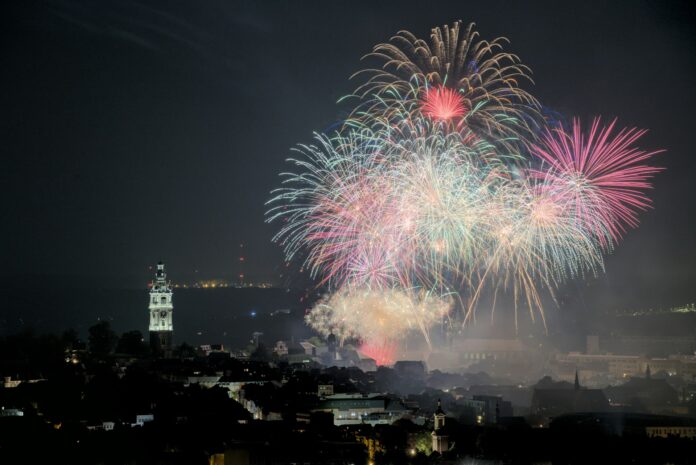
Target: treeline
(31, 355)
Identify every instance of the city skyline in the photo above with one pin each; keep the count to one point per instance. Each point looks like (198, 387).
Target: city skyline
(348, 232)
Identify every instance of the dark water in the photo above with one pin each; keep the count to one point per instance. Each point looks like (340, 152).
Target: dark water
(201, 316)
(230, 316)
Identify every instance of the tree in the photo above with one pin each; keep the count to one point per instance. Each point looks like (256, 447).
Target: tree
(260, 354)
(184, 350)
(422, 442)
(132, 343)
(70, 338)
(102, 338)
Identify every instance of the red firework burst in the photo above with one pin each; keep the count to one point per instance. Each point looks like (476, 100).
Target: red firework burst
(442, 103)
(384, 353)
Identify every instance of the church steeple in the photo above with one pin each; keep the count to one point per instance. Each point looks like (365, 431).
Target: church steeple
(576, 385)
(439, 410)
(440, 439)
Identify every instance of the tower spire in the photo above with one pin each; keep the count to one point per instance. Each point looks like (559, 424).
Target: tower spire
(161, 309)
(440, 438)
(577, 380)
(439, 410)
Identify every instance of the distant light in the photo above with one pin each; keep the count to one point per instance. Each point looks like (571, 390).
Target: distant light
(253, 313)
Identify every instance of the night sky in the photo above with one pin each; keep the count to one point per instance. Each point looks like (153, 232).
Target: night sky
(139, 131)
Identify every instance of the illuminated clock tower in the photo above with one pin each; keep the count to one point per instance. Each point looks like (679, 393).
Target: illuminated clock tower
(161, 309)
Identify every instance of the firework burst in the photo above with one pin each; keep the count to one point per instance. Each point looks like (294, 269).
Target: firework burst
(458, 72)
(441, 103)
(378, 317)
(601, 176)
(440, 181)
(385, 207)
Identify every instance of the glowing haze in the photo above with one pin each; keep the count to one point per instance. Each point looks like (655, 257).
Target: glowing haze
(408, 218)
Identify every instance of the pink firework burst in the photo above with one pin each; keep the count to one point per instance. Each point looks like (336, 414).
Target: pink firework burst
(442, 103)
(601, 175)
(356, 232)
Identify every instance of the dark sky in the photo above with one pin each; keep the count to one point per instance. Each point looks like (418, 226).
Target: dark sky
(134, 131)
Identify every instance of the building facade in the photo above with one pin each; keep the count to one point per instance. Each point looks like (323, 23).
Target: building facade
(356, 409)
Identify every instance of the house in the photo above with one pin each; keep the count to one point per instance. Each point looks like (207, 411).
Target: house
(325, 390)
(494, 408)
(410, 369)
(281, 348)
(648, 394)
(206, 381)
(553, 401)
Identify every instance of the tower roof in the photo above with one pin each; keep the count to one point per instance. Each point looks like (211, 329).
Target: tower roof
(577, 381)
(439, 410)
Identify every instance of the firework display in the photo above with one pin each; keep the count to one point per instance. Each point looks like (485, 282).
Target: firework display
(454, 70)
(445, 182)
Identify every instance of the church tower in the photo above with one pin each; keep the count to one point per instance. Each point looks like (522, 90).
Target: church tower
(440, 439)
(161, 309)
